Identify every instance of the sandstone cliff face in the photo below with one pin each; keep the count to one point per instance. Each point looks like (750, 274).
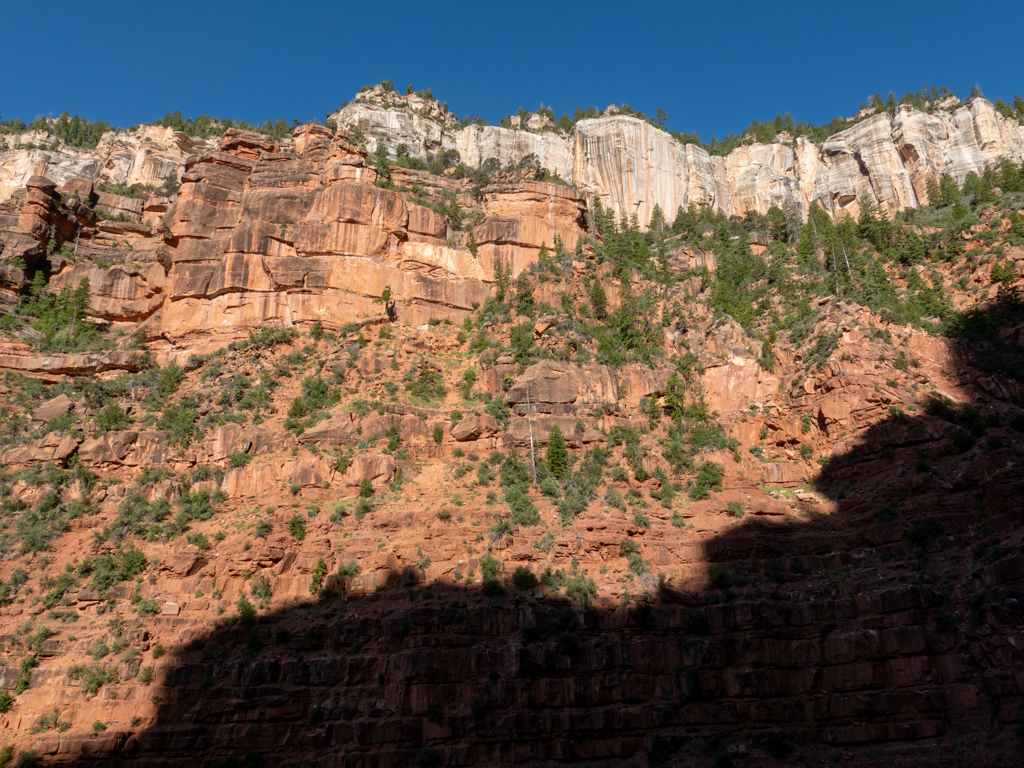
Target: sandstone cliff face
(478, 143)
(263, 234)
(627, 163)
(146, 155)
(631, 165)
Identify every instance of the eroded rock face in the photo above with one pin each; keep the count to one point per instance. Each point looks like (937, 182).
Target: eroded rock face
(146, 155)
(479, 143)
(262, 236)
(631, 165)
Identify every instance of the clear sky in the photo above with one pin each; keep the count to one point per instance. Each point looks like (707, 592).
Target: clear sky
(712, 66)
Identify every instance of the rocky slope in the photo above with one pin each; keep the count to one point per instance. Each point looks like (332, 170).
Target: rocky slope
(263, 518)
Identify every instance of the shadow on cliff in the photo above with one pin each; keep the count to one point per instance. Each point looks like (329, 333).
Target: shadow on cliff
(446, 675)
(939, 471)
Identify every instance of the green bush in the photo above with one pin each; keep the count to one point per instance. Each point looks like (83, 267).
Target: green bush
(428, 385)
(179, 421)
(365, 488)
(297, 528)
(239, 459)
(709, 478)
(735, 508)
(581, 590)
(92, 677)
(524, 579)
(549, 487)
(438, 434)
(112, 418)
(499, 409)
(246, 610)
(61, 318)
(316, 583)
(348, 571)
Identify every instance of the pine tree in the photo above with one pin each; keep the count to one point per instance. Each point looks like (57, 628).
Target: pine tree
(380, 157)
(544, 257)
(558, 454)
(599, 300)
(502, 280)
(524, 295)
(675, 398)
(657, 219)
(805, 249)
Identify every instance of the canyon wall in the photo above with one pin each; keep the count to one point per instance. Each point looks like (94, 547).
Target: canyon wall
(631, 165)
(626, 162)
(266, 234)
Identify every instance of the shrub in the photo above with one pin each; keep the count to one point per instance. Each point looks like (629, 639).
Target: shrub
(628, 547)
(499, 409)
(99, 727)
(709, 478)
(365, 488)
(363, 508)
(262, 529)
(261, 590)
(316, 583)
(735, 508)
(342, 463)
(806, 452)
(581, 590)
(246, 610)
(613, 498)
(239, 459)
(6, 701)
(428, 384)
(549, 487)
(92, 677)
(524, 579)
(438, 434)
(112, 417)
(347, 571)
(179, 421)
(297, 528)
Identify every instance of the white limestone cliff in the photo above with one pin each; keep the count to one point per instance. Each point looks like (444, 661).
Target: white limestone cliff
(629, 164)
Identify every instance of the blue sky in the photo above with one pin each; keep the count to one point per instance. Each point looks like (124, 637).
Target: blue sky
(713, 67)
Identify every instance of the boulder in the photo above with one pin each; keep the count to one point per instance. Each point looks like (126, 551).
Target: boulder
(51, 409)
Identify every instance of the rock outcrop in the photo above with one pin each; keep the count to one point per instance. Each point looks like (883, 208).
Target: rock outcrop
(628, 163)
(145, 155)
(262, 234)
(632, 165)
